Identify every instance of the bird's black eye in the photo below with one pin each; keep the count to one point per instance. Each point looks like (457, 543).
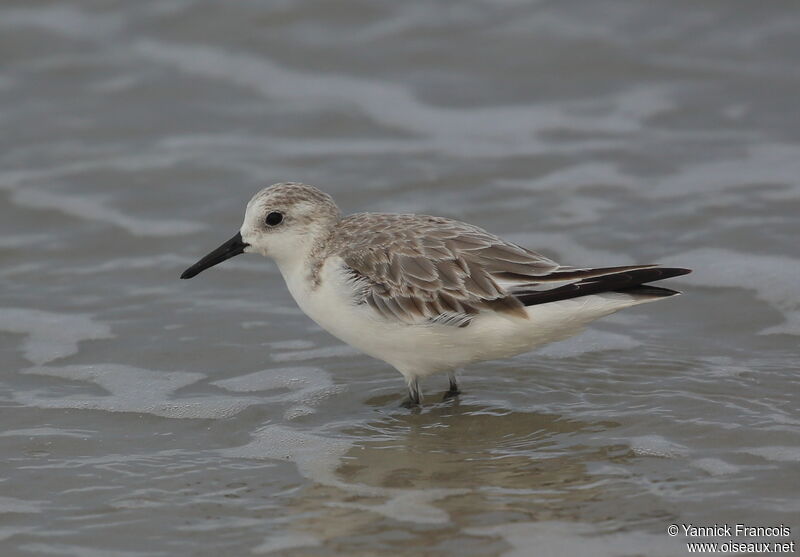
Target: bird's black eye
(274, 218)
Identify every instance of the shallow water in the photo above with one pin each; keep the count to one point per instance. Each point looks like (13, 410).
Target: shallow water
(143, 415)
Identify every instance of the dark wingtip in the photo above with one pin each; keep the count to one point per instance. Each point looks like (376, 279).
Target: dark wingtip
(187, 275)
(624, 281)
(670, 272)
(648, 291)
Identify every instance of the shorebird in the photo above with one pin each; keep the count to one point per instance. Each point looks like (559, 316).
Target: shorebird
(425, 294)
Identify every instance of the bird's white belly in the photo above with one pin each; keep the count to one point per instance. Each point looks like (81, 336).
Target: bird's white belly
(331, 306)
(423, 349)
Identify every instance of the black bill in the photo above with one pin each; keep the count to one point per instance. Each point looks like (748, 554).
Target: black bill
(232, 247)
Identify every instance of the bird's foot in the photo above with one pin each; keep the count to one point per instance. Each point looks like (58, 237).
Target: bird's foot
(414, 396)
(409, 403)
(452, 393)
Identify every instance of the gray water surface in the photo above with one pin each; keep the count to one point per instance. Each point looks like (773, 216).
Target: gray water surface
(147, 416)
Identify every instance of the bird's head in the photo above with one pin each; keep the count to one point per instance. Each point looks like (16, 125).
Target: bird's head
(282, 221)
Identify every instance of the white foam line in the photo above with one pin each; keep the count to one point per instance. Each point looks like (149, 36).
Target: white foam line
(762, 163)
(93, 160)
(590, 341)
(776, 454)
(61, 548)
(567, 250)
(715, 466)
(118, 264)
(301, 380)
(23, 240)
(22, 506)
(772, 277)
(494, 129)
(253, 145)
(7, 532)
(133, 389)
(308, 386)
(554, 539)
(654, 445)
(337, 351)
(575, 177)
(51, 335)
(284, 541)
(93, 209)
(48, 432)
(60, 19)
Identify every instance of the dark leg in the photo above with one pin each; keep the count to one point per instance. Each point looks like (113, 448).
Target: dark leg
(414, 397)
(453, 387)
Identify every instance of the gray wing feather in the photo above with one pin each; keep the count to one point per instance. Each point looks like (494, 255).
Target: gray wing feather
(415, 268)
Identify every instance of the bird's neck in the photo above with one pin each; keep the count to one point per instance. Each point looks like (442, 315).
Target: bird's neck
(301, 264)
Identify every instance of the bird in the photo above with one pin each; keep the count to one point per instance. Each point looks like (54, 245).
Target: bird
(425, 294)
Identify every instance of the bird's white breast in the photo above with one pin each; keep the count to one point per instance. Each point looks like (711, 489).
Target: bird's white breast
(426, 348)
(330, 303)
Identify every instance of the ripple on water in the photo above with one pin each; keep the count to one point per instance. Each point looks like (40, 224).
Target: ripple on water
(51, 335)
(318, 459)
(308, 386)
(132, 389)
(762, 163)
(12, 505)
(592, 340)
(333, 351)
(454, 131)
(47, 432)
(554, 539)
(656, 445)
(777, 283)
(63, 20)
(716, 466)
(93, 209)
(283, 542)
(776, 454)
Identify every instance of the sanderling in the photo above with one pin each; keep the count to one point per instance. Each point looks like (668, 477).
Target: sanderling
(425, 294)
